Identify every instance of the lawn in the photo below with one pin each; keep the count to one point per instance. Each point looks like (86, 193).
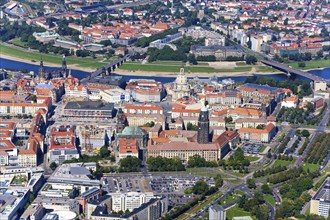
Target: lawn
(240, 63)
(262, 148)
(51, 58)
(239, 192)
(18, 42)
(270, 199)
(199, 206)
(283, 163)
(266, 69)
(176, 68)
(235, 211)
(252, 158)
(312, 167)
(319, 183)
(228, 199)
(313, 64)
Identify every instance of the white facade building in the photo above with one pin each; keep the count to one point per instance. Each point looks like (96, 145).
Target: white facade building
(115, 95)
(130, 200)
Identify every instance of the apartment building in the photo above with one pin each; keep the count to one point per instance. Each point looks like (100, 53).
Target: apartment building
(139, 115)
(129, 200)
(27, 107)
(258, 135)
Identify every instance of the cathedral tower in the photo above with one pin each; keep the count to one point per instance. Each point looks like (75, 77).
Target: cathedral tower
(64, 67)
(41, 72)
(203, 126)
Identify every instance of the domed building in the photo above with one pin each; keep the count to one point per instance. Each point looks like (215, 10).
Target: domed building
(181, 86)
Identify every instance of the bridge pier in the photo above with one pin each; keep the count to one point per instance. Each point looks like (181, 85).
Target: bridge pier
(109, 71)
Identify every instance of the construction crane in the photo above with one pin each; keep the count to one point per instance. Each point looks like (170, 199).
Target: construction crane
(87, 140)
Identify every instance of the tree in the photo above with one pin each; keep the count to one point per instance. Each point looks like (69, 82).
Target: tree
(251, 59)
(129, 164)
(53, 165)
(286, 21)
(218, 180)
(34, 98)
(191, 127)
(319, 54)
(301, 64)
(104, 152)
(228, 120)
(112, 158)
(305, 133)
(262, 212)
(164, 164)
(260, 126)
(196, 161)
(200, 187)
(192, 59)
(251, 183)
(265, 189)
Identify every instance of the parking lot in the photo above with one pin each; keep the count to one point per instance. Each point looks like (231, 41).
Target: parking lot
(126, 183)
(159, 184)
(175, 184)
(251, 148)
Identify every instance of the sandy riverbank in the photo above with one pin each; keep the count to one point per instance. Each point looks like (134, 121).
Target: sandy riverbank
(72, 66)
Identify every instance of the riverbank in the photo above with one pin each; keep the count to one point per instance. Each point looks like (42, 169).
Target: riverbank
(70, 66)
(191, 74)
(12, 52)
(154, 69)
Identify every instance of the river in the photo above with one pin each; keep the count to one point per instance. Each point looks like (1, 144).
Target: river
(16, 65)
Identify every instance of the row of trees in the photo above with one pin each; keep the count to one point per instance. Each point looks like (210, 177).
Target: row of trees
(297, 86)
(198, 161)
(283, 157)
(319, 149)
(177, 211)
(303, 147)
(269, 171)
(164, 164)
(295, 145)
(283, 145)
(285, 175)
(129, 164)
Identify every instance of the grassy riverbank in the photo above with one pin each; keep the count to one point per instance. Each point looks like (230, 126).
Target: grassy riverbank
(34, 57)
(313, 64)
(164, 67)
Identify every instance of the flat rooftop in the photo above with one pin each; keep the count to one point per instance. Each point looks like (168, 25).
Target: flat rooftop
(90, 105)
(323, 194)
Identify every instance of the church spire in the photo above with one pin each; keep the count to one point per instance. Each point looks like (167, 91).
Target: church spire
(64, 67)
(41, 72)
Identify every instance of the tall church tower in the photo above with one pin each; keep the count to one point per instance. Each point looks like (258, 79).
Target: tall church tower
(41, 73)
(203, 126)
(121, 121)
(64, 67)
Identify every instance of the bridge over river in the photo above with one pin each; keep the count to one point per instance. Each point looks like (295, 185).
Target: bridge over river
(107, 69)
(289, 70)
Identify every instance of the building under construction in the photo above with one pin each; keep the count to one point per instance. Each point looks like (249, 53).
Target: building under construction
(94, 136)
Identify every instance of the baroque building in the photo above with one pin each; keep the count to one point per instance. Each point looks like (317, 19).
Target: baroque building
(181, 86)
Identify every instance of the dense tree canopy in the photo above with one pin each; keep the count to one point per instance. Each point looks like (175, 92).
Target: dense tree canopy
(164, 164)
